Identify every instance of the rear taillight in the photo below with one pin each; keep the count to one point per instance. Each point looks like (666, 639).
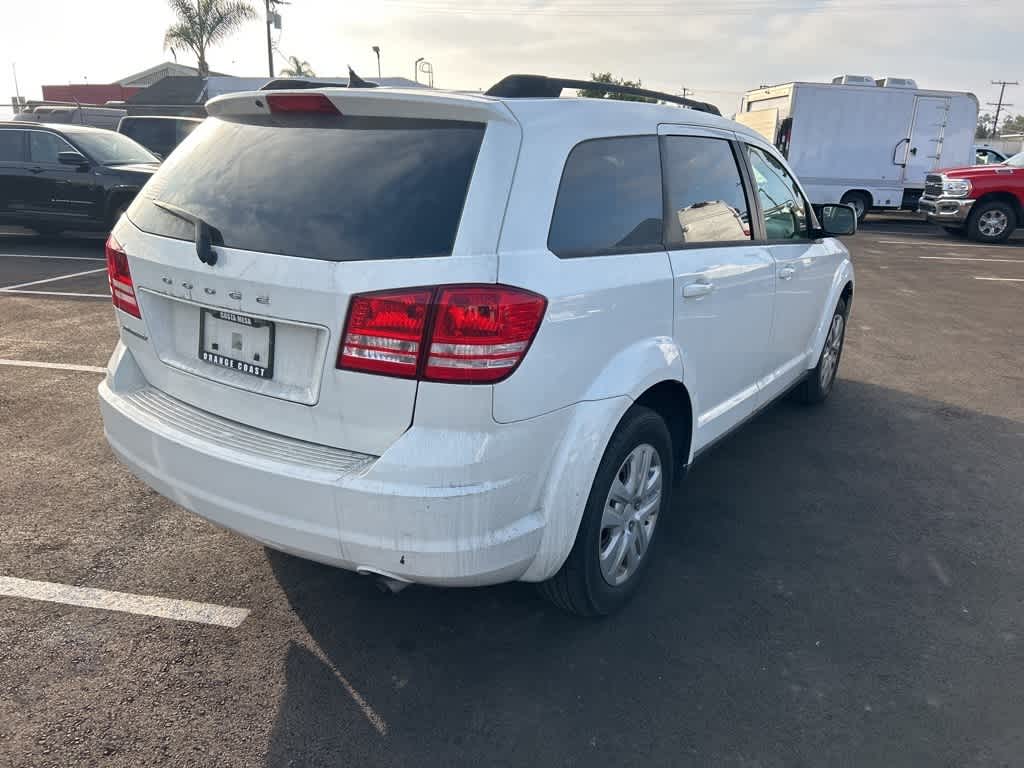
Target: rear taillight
(384, 332)
(122, 291)
(308, 103)
(471, 334)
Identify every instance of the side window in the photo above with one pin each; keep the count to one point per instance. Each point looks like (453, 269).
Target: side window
(43, 147)
(704, 190)
(784, 208)
(12, 146)
(609, 200)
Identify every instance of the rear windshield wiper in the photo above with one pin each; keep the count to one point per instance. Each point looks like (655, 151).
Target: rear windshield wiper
(204, 232)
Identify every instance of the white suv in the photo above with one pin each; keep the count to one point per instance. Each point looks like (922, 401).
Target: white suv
(460, 339)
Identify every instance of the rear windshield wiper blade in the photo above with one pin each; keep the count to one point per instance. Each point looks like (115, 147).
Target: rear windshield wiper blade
(204, 232)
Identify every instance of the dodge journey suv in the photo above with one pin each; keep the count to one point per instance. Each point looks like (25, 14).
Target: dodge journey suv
(461, 339)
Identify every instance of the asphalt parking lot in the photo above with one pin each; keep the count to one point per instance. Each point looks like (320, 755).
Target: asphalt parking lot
(841, 585)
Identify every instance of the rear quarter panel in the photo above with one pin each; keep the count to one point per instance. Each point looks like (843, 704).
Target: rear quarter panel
(608, 327)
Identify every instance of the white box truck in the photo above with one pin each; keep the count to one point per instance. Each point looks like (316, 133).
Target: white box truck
(863, 141)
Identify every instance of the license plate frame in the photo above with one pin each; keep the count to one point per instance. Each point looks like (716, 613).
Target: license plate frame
(228, 362)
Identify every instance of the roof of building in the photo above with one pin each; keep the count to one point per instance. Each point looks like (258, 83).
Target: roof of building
(172, 68)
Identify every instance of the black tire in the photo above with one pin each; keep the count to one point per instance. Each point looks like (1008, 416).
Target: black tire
(982, 224)
(816, 386)
(580, 587)
(956, 231)
(861, 202)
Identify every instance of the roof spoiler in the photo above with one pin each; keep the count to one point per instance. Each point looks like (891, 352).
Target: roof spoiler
(540, 86)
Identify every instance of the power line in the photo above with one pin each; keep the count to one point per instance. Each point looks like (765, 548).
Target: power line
(999, 105)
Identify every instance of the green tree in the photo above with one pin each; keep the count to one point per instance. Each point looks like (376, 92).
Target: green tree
(606, 77)
(298, 68)
(984, 129)
(1012, 124)
(204, 23)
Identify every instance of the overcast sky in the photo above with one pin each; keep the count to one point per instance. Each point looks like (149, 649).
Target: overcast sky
(718, 49)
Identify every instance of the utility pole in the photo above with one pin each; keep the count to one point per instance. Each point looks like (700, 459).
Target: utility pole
(273, 19)
(999, 105)
(687, 91)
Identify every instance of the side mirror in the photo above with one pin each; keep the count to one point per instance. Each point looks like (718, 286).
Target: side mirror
(838, 220)
(70, 157)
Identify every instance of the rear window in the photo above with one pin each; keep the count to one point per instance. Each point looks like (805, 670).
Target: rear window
(609, 200)
(356, 189)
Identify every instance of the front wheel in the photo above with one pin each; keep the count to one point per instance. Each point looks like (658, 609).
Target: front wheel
(616, 537)
(818, 384)
(991, 222)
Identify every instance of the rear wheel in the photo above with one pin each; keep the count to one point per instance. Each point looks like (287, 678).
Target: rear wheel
(991, 222)
(861, 202)
(615, 541)
(818, 384)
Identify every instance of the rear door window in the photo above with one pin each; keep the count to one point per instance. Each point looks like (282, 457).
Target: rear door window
(609, 200)
(704, 192)
(359, 189)
(12, 146)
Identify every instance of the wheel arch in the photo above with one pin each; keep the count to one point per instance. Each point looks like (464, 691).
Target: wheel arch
(116, 197)
(671, 400)
(1003, 197)
(843, 284)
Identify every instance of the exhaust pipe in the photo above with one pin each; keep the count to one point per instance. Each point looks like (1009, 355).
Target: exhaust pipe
(386, 582)
(390, 586)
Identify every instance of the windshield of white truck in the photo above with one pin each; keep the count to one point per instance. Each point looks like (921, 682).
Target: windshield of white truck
(1017, 161)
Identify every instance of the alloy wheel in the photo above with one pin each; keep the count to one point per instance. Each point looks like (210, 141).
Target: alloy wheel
(993, 223)
(630, 514)
(833, 346)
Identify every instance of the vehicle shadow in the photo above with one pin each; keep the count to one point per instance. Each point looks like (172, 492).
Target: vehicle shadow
(16, 241)
(836, 585)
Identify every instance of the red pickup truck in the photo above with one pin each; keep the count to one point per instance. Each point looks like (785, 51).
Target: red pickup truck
(983, 202)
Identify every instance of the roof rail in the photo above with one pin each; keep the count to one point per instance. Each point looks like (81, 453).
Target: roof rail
(540, 86)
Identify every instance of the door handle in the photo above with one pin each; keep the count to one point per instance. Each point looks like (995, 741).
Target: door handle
(696, 290)
(786, 273)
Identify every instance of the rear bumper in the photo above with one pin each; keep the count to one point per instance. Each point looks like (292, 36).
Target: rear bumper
(948, 211)
(466, 512)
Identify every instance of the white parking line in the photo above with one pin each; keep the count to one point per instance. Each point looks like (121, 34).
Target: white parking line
(970, 258)
(46, 256)
(53, 279)
(125, 602)
(56, 293)
(1002, 279)
(55, 366)
(948, 243)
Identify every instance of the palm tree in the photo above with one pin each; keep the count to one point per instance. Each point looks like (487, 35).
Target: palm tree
(298, 68)
(203, 23)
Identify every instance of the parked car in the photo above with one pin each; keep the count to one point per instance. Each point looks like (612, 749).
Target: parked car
(985, 203)
(988, 156)
(58, 177)
(158, 134)
(864, 141)
(462, 339)
(97, 117)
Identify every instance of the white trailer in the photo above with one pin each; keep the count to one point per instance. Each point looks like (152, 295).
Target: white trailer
(863, 141)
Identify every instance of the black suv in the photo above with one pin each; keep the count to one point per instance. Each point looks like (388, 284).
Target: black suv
(57, 177)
